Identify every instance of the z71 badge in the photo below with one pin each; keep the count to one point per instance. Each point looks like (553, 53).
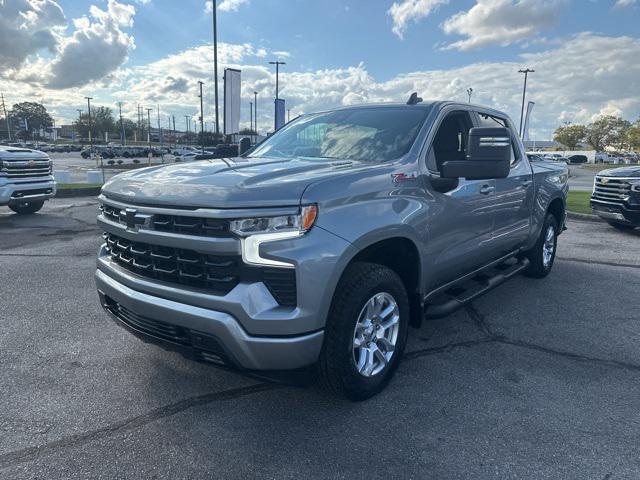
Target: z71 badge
(403, 177)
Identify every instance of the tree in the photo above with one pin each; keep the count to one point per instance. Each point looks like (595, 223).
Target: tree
(608, 131)
(570, 135)
(101, 121)
(210, 139)
(34, 113)
(633, 136)
(247, 131)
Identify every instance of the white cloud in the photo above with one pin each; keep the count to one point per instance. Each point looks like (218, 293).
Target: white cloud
(97, 47)
(26, 28)
(501, 22)
(577, 80)
(225, 5)
(411, 11)
(625, 3)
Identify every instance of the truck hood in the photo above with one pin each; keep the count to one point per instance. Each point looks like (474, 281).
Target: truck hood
(225, 183)
(621, 172)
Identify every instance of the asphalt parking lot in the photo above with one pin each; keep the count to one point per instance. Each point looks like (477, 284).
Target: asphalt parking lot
(537, 379)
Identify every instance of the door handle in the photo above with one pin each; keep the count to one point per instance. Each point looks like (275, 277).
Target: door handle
(526, 183)
(486, 189)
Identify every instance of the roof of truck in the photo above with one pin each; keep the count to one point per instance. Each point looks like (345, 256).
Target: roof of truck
(439, 104)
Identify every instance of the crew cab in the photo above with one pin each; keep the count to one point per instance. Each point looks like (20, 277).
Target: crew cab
(26, 179)
(323, 244)
(616, 197)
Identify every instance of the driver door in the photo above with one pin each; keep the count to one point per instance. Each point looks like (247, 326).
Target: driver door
(462, 216)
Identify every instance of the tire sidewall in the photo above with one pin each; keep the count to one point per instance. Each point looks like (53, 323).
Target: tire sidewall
(353, 382)
(550, 220)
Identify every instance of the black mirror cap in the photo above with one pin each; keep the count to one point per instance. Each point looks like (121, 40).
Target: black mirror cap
(488, 156)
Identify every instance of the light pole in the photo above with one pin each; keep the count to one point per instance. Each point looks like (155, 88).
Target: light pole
(79, 120)
(469, 92)
(90, 136)
(150, 154)
(122, 133)
(251, 116)
(215, 65)
(188, 128)
(255, 116)
(526, 72)
(202, 112)
(277, 64)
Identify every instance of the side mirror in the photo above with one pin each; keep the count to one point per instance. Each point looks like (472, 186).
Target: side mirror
(488, 156)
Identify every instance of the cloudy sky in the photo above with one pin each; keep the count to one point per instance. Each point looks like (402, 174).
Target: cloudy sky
(585, 52)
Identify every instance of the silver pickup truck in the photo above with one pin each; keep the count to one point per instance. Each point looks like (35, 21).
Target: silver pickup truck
(26, 179)
(323, 244)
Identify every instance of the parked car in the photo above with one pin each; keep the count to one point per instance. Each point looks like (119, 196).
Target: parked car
(577, 159)
(324, 243)
(26, 179)
(533, 157)
(616, 197)
(184, 150)
(605, 157)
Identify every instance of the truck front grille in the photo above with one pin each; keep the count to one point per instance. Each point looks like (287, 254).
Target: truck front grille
(214, 273)
(611, 189)
(185, 225)
(174, 265)
(23, 169)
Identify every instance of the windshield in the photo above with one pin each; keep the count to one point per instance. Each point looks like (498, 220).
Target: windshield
(366, 134)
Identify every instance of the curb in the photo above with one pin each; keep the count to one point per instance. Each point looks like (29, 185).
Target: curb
(584, 217)
(78, 192)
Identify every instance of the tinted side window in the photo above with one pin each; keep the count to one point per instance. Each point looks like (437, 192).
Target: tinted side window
(489, 121)
(450, 142)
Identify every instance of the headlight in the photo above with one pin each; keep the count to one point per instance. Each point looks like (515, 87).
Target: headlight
(560, 179)
(256, 231)
(299, 223)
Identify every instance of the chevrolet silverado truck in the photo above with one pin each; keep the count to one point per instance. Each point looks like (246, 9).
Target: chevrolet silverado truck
(322, 245)
(26, 179)
(616, 197)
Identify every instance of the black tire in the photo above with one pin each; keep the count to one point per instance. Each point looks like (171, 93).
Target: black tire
(538, 267)
(621, 226)
(337, 366)
(27, 208)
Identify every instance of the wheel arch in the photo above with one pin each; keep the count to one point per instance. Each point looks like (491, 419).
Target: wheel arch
(402, 255)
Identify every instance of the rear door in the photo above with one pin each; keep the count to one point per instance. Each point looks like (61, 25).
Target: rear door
(514, 195)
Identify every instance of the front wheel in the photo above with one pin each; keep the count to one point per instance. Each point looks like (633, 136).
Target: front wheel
(27, 208)
(366, 331)
(543, 253)
(621, 226)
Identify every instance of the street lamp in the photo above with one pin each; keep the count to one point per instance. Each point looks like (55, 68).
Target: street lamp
(90, 136)
(202, 113)
(526, 72)
(255, 107)
(251, 116)
(469, 92)
(149, 154)
(277, 64)
(215, 65)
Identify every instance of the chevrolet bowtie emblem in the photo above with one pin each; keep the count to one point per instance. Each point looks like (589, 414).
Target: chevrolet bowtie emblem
(132, 219)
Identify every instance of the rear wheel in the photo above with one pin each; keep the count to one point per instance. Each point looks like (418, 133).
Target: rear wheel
(366, 331)
(621, 226)
(543, 253)
(27, 208)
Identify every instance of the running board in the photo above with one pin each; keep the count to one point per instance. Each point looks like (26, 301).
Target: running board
(443, 303)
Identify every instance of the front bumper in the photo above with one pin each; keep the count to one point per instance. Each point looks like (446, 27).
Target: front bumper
(202, 333)
(21, 192)
(615, 212)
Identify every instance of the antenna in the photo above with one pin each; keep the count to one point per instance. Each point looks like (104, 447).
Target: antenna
(414, 99)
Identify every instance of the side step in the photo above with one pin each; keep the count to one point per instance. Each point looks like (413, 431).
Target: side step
(448, 299)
